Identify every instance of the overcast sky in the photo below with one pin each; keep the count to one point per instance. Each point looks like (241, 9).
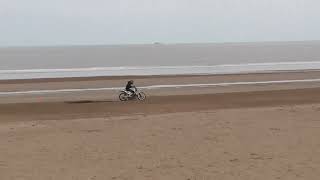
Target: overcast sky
(72, 22)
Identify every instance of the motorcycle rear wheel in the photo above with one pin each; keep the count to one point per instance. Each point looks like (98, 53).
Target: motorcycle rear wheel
(123, 97)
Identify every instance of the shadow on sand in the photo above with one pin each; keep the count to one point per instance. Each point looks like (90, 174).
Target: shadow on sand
(87, 102)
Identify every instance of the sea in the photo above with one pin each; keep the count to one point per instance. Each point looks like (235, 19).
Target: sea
(157, 59)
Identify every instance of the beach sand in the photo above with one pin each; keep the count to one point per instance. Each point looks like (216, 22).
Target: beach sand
(242, 132)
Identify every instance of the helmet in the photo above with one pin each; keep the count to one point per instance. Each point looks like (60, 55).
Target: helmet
(131, 81)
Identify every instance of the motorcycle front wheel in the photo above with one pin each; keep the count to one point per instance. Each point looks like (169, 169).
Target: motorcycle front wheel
(123, 96)
(142, 96)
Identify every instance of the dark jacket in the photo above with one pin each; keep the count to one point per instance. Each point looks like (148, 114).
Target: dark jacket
(129, 85)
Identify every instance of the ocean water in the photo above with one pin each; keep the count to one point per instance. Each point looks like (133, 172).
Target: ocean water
(157, 59)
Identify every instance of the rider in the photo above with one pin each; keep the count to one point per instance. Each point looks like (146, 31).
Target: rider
(130, 87)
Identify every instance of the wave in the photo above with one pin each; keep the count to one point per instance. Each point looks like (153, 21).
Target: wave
(158, 70)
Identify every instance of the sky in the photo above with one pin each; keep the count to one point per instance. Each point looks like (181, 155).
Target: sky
(86, 22)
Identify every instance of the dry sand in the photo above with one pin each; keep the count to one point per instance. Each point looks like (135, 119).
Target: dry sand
(266, 134)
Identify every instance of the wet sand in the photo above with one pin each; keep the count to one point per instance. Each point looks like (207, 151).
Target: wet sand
(241, 132)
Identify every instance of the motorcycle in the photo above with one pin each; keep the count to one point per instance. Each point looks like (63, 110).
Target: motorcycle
(127, 95)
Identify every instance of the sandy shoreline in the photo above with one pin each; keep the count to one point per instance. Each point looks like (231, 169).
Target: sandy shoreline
(242, 132)
(111, 95)
(155, 105)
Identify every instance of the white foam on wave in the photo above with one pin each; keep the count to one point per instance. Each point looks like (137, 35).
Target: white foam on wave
(158, 70)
